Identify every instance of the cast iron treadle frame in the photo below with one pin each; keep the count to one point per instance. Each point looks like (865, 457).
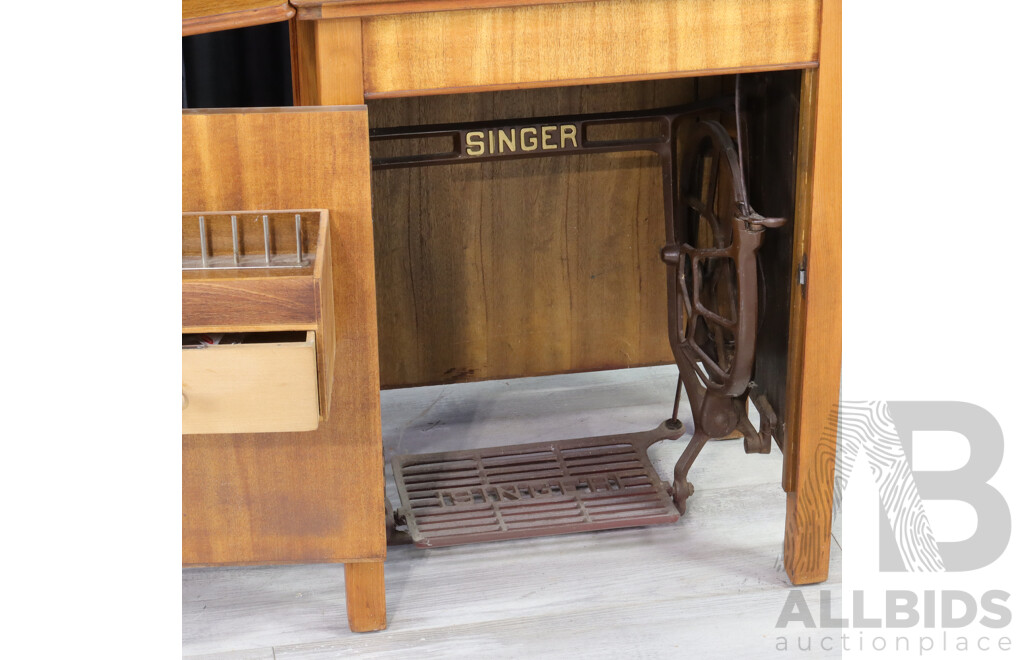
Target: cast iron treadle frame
(537, 489)
(712, 240)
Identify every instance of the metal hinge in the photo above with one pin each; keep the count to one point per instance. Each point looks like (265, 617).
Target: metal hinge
(801, 276)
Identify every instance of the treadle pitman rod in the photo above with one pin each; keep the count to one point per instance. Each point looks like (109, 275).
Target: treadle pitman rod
(711, 251)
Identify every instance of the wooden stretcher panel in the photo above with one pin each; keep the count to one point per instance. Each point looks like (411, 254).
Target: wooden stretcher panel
(313, 9)
(612, 40)
(293, 497)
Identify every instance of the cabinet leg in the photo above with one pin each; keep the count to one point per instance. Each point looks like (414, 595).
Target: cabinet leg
(364, 596)
(809, 515)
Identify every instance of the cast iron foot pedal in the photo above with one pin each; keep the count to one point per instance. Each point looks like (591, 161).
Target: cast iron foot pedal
(537, 489)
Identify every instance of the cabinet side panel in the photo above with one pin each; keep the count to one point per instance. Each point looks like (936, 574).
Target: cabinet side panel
(293, 497)
(817, 336)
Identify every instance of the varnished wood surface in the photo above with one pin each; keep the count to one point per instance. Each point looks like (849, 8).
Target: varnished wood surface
(817, 355)
(545, 45)
(797, 307)
(229, 305)
(709, 586)
(327, 65)
(364, 596)
(314, 9)
(201, 16)
(519, 268)
(302, 42)
(323, 290)
(292, 497)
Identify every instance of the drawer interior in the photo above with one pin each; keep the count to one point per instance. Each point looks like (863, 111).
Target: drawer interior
(201, 340)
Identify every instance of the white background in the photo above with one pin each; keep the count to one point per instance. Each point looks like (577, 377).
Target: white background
(91, 465)
(91, 192)
(932, 256)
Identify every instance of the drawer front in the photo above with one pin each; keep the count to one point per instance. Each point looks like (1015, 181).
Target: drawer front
(239, 304)
(250, 388)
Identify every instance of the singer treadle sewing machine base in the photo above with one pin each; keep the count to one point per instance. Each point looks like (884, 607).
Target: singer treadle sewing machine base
(266, 496)
(713, 237)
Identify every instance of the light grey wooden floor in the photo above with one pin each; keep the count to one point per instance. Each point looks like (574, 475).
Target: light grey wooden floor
(709, 586)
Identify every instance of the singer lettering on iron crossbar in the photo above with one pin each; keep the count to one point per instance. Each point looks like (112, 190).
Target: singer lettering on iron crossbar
(497, 141)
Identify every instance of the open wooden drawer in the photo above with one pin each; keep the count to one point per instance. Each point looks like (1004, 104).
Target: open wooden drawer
(257, 321)
(269, 384)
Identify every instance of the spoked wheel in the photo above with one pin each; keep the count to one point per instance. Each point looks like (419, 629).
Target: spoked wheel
(713, 293)
(717, 295)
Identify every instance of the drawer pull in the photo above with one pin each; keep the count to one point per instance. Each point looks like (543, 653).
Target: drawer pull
(184, 401)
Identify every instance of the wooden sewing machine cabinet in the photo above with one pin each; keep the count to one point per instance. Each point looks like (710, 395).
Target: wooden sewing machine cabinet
(451, 278)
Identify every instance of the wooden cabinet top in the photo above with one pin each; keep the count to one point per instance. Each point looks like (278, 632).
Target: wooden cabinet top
(389, 48)
(200, 16)
(313, 9)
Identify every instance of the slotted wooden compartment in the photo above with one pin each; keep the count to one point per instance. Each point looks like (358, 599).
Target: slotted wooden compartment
(269, 383)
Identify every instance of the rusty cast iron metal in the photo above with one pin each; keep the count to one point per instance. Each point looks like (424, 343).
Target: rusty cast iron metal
(537, 489)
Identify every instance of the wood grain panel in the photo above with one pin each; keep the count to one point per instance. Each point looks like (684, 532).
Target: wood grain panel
(292, 497)
(542, 45)
(364, 596)
(313, 9)
(816, 345)
(201, 16)
(327, 63)
(305, 84)
(280, 302)
(521, 268)
(323, 289)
